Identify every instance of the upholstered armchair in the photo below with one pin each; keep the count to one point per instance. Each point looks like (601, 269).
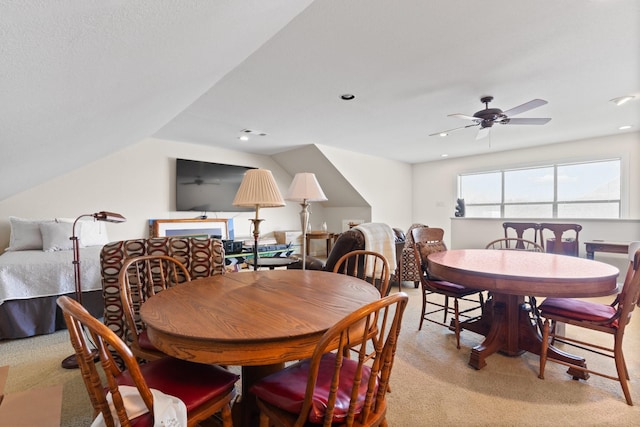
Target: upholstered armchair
(348, 241)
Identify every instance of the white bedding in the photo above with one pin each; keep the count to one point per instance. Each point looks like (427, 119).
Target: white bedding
(32, 274)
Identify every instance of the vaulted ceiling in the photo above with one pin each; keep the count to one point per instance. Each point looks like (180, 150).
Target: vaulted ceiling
(84, 78)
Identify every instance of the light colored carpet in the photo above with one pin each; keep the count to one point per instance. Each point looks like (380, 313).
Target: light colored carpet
(432, 384)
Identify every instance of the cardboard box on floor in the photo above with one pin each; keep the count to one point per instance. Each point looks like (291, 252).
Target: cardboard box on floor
(37, 407)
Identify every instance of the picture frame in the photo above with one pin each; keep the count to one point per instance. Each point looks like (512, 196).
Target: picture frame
(221, 228)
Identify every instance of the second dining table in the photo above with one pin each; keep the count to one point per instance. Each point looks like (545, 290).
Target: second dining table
(258, 320)
(507, 322)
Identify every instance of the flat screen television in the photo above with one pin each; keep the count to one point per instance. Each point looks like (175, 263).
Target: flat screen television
(208, 187)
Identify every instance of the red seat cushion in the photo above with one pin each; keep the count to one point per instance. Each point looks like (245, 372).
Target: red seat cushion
(193, 383)
(145, 343)
(285, 389)
(449, 287)
(578, 310)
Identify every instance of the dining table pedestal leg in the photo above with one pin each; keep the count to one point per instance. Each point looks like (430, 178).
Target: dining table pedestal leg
(245, 411)
(509, 328)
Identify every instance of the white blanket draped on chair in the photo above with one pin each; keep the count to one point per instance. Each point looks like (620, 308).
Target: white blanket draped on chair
(379, 237)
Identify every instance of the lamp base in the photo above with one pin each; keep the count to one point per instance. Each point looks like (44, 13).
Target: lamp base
(71, 362)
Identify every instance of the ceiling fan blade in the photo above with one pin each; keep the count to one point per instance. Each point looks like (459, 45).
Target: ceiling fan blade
(525, 107)
(463, 116)
(451, 130)
(483, 133)
(527, 121)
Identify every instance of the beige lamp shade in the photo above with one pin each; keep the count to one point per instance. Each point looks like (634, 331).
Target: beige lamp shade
(258, 189)
(305, 187)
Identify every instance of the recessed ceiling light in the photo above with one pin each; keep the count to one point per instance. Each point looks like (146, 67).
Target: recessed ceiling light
(444, 155)
(243, 138)
(622, 99)
(624, 127)
(443, 134)
(347, 96)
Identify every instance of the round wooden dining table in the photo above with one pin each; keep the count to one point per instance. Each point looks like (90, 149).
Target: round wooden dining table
(256, 319)
(506, 321)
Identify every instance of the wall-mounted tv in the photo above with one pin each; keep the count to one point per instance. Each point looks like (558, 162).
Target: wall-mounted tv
(207, 187)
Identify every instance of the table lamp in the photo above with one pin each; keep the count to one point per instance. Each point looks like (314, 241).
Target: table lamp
(258, 189)
(71, 362)
(305, 189)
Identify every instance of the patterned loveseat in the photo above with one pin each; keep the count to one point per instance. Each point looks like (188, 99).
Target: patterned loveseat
(202, 256)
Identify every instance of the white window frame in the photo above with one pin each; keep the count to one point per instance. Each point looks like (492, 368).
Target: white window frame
(554, 203)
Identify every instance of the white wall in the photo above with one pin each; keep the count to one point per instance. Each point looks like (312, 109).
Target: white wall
(435, 183)
(139, 183)
(384, 184)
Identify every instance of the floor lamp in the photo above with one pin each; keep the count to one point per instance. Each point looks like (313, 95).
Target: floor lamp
(305, 189)
(70, 362)
(258, 189)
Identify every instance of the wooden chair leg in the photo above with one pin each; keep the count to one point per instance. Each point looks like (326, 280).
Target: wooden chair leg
(225, 415)
(424, 309)
(544, 348)
(623, 373)
(446, 309)
(264, 420)
(456, 322)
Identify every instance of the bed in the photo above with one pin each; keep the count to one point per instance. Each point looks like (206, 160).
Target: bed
(33, 273)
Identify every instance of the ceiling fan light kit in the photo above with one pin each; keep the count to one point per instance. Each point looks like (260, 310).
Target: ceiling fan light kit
(489, 116)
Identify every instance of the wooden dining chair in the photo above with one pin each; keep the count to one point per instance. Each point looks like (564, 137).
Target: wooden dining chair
(610, 319)
(564, 240)
(428, 240)
(140, 278)
(366, 265)
(204, 389)
(521, 245)
(513, 243)
(328, 389)
(522, 230)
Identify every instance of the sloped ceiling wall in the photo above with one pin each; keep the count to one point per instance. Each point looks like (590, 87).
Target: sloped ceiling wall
(336, 187)
(84, 78)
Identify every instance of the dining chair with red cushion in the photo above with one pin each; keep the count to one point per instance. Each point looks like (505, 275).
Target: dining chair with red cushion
(141, 277)
(330, 389)
(428, 240)
(610, 319)
(204, 389)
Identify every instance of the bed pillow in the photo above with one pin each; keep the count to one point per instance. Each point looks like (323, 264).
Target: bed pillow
(25, 234)
(56, 236)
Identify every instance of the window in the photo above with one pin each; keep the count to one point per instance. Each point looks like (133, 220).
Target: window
(571, 190)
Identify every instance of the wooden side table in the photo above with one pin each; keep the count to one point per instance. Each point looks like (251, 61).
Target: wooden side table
(273, 262)
(602, 246)
(320, 235)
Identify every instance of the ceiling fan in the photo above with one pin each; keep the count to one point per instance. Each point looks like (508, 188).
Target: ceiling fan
(489, 116)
